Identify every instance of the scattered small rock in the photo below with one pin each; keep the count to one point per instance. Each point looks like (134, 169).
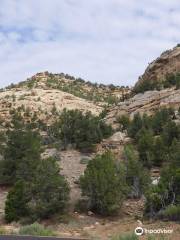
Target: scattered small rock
(90, 213)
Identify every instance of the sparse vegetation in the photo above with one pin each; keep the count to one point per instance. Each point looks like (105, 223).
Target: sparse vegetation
(171, 213)
(79, 88)
(84, 160)
(36, 229)
(124, 122)
(31, 83)
(2, 231)
(171, 80)
(126, 237)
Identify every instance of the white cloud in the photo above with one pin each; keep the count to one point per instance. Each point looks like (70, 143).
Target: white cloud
(104, 41)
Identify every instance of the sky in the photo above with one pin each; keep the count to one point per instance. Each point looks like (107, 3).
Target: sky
(104, 41)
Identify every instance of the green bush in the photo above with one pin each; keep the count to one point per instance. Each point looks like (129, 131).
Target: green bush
(137, 178)
(124, 122)
(104, 184)
(16, 203)
(157, 141)
(160, 119)
(154, 135)
(135, 126)
(159, 198)
(2, 231)
(159, 150)
(84, 160)
(82, 206)
(22, 152)
(36, 229)
(49, 191)
(145, 147)
(153, 204)
(38, 190)
(171, 213)
(46, 194)
(82, 131)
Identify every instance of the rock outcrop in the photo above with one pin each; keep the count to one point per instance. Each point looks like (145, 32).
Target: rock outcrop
(45, 93)
(43, 102)
(115, 144)
(154, 77)
(78, 87)
(158, 70)
(147, 102)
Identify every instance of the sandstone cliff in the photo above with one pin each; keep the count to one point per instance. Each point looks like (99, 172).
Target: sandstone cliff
(158, 71)
(154, 77)
(42, 102)
(147, 102)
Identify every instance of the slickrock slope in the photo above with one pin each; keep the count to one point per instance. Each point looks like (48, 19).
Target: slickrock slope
(45, 93)
(76, 86)
(42, 102)
(147, 102)
(157, 71)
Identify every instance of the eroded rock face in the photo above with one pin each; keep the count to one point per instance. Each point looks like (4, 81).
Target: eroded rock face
(45, 92)
(99, 93)
(115, 144)
(147, 102)
(42, 102)
(167, 63)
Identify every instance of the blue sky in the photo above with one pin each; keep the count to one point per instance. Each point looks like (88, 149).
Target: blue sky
(108, 41)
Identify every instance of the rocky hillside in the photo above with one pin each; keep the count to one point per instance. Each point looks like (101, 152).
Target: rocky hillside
(159, 86)
(147, 102)
(161, 73)
(76, 86)
(46, 93)
(42, 102)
